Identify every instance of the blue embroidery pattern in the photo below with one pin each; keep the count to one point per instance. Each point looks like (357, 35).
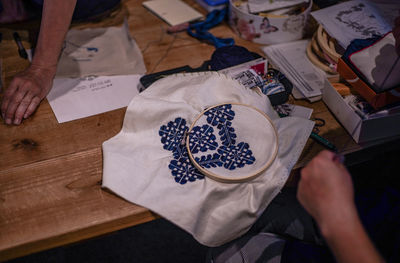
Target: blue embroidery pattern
(209, 160)
(236, 156)
(202, 139)
(227, 134)
(183, 170)
(172, 135)
(219, 115)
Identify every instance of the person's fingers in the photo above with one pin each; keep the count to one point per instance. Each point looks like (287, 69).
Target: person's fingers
(25, 93)
(22, 107)
(32, 106)
(327, 154)
(319, 160)
(8, 94)
(4, 105)
(13, 105)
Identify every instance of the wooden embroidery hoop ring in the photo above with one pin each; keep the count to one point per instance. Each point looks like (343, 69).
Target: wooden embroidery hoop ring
(224, 179)
(327, 45)
(315, 60)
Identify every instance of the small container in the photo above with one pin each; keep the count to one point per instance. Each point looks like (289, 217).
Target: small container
(267, 30)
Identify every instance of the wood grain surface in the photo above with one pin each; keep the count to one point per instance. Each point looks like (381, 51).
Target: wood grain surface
(50, 173)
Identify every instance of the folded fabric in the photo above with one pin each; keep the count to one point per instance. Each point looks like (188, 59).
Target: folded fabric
(147, 165)
(101, 52)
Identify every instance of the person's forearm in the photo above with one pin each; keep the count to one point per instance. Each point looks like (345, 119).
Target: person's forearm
(349, 242)
(56, 19)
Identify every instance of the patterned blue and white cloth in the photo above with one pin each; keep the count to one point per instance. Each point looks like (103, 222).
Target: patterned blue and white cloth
(147, 162)
(233, 142)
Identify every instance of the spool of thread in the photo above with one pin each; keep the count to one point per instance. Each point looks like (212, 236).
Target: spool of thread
(341, 88)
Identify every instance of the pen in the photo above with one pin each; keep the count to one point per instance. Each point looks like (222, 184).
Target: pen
(21, 49)
(323, 141)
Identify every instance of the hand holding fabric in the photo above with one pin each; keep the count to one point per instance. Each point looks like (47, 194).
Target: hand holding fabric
(26, 91)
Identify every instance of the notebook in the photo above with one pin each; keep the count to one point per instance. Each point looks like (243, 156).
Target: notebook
(174, 12)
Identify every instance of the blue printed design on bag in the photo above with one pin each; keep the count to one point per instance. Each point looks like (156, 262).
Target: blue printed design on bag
(184, 171)
(236, 156)
(209, 161)
(202, 139)
(219, 115)
(227, 133)
(172, 135)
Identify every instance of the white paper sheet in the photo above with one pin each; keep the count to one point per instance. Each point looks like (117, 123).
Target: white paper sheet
(385, 11)
(174, 12)
(349, 20)
(291, 60)
(72, 99)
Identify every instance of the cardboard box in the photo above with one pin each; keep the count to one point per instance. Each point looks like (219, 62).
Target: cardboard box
(376, 100)
(362, 130)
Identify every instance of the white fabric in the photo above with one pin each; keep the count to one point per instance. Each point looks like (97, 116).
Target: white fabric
(249, 126)
(136, 166)
(101, 52)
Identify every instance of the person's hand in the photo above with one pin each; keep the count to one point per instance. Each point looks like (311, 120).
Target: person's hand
(326, 191)
(25, 92)
(396, 34)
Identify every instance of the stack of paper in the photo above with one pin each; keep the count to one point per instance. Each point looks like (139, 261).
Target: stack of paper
(75, 98)
(291, 60)
(350, 20)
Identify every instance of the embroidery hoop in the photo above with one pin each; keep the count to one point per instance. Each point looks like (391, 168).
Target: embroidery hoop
(327, 45)
(224, 179)
(315, 60)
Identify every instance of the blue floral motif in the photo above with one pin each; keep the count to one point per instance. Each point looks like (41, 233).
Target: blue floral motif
(219, 115)
(236, 156)
(183, 170)
(227, 134)
(208, 161)
(202, 139)
(172, 136)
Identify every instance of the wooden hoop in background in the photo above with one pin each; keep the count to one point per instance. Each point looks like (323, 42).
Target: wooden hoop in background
(315, 47)
(224, 179)
(327, 46)
(316, 61)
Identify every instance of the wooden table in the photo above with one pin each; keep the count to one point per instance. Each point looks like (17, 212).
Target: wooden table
(50, 173)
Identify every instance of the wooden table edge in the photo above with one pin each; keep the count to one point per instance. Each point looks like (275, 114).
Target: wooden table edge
(78, 235)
